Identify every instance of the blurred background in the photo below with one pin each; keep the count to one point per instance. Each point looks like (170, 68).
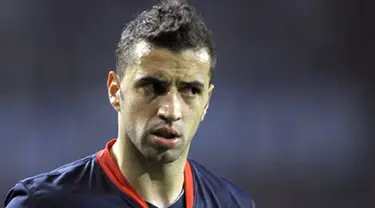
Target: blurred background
(291, 119)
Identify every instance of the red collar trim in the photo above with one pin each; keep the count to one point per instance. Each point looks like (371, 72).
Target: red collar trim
(114, 174)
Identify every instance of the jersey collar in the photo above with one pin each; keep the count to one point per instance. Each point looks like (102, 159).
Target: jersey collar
(112, 171)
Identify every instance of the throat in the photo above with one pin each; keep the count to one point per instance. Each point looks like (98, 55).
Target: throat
(159, 184)
(156, 204)
(161, 193)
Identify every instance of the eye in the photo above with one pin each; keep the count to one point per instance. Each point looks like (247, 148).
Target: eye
(190, 91)
(154, 88)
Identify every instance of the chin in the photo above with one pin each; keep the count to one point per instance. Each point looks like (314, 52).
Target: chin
(164, 157)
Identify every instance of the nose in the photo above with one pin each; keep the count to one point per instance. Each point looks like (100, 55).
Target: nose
(170, 108)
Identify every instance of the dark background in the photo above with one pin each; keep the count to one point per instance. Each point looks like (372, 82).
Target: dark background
(291, 117)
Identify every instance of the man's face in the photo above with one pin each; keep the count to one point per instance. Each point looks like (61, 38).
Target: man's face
(164, 97)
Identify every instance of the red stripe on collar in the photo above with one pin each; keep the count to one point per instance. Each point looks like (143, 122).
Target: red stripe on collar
(111, 169)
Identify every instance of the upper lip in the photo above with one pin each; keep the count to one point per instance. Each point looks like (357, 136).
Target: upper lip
(167, 132)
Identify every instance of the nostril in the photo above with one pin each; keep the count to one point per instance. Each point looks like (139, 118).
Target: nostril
(169, 119)
(163, 117)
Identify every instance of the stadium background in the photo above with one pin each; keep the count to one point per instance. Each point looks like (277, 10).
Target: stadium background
(291, 119)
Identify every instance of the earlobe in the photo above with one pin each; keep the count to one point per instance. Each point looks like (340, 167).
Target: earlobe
(115, 102)
(113, 90)
(204, 112)
(211, 88)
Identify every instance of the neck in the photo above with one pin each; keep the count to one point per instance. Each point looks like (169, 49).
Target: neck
(157, 183)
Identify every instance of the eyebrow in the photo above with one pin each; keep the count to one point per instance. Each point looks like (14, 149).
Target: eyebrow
(152, 79)
(156, 79)
(195, 83)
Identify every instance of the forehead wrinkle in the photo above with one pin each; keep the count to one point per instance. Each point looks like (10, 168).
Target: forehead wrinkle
(186, 66)
(172, 74)
(187, 57)
(165, 62)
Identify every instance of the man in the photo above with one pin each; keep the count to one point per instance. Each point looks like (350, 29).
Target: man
(161, 91)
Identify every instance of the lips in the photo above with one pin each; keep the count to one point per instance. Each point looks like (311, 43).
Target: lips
(166, 132)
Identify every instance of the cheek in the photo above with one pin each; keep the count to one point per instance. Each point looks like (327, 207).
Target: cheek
(193, 118)
(140, 114)
(133, 106)
(133, 114)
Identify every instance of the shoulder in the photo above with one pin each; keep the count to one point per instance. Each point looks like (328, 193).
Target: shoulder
(223, 188)
(31, 191)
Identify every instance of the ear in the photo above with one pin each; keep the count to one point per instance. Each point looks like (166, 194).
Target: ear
(210, 89)
(113, 85)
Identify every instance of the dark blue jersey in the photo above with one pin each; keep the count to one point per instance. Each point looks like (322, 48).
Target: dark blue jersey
(96, 181)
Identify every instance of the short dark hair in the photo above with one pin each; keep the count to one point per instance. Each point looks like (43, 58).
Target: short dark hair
(172, 24)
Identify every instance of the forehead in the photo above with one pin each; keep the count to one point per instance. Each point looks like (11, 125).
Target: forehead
(157, 61)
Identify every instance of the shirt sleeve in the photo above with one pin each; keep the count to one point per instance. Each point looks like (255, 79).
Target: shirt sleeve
(18, 197)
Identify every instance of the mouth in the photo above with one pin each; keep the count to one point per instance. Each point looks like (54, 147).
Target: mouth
(167, 133)
(165, 137)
